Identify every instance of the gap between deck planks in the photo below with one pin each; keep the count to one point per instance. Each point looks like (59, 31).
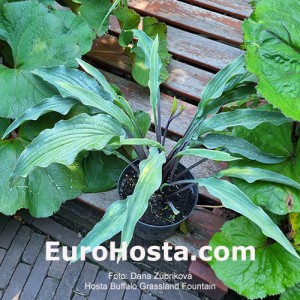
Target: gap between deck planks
(236, 8)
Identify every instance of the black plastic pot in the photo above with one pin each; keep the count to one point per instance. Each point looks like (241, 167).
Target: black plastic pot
(159, 232)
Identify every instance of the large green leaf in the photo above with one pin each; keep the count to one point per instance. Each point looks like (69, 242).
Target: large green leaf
(128, 19)
(272, 271)
(62, 143)
(291, 293)
(249, 118)
(79, 27)
(101, 171)
(61, 182)
(95, 12)
(149, 181)
(277, 198)
(55, 103)
(233, 198)
(271, 38)
(34, 37)
(240, 146)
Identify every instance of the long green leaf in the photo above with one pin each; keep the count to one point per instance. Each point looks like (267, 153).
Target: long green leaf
(256, 174)
(62, 143)
(94, 100)
(72, 76)
(111, 224)
(249, 118)
(149, 181)
(235, 199)
(99, 77)
(56, 103)
(154, 78)
(240, 146)
(210, 154)
(217, 84)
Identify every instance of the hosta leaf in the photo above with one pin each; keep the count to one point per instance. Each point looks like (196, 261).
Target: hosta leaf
(210, 154)
(111, 224)
(59, 181)
(62, 143)
(233, 198)
(149, 181)
(240, 146)
(101, 171)
(51, 43)
(273, 270)
(72, 76)
(277, 198)
(96, 101)
(249, 118)
(99, 77)
(291, 293)
(56, 103)
(251, 175)
(272, 42)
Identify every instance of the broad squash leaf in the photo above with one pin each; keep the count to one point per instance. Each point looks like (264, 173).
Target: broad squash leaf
(291, 293)
(277, 140)
(46, 41)
(271, 38)
(61, 182)
(273, 270)
(101, 171)
(128, 19)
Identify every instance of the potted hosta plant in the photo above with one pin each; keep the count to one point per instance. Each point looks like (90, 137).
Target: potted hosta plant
(109, 124)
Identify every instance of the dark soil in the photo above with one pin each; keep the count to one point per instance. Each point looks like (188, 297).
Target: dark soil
(159, 212)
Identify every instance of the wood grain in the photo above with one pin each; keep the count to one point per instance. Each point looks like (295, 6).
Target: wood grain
(236, 8)
(192, 18)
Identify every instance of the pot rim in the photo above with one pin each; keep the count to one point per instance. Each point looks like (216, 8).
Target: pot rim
(195, 195)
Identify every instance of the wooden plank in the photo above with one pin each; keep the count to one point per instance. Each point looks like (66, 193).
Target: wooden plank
(193, 18)
(236, 8)
(184, 80)
(194, 48)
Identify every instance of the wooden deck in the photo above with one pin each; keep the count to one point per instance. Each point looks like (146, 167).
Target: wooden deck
(203, 36)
